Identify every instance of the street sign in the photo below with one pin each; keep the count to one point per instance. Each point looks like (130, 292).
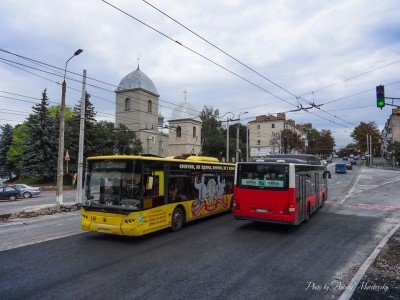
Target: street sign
(67, 158)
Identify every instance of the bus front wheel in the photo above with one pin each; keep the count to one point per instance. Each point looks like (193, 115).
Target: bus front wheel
(177, 219)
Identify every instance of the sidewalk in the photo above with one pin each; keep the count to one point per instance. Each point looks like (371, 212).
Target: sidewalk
(379, 276)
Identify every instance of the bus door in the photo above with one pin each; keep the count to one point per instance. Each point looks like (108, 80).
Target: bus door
(153, 193)
(301, 198)
(317, 195)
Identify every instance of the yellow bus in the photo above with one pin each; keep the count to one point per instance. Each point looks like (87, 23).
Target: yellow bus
(137, 195)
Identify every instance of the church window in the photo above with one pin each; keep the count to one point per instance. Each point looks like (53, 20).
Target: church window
(178, 131)
(194, 131)
(149, 106)
(127, 104)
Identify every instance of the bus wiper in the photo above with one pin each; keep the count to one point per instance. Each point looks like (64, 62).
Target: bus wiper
(112, 207)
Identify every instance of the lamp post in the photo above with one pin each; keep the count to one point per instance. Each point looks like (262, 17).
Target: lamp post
(60, 165)
(227, 133)
(237, 137)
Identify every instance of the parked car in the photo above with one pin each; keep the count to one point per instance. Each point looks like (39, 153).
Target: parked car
(353, 161)
(345, 158)
(27, 191)
(10, 193)
(349, 166)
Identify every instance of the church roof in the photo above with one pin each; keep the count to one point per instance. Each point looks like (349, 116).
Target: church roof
(185, 111)
(137, 80)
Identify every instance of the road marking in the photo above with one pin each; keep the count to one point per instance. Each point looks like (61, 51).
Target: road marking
(365, 206)
(356, 190)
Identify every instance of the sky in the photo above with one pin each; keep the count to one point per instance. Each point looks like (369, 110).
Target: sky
(259, 57)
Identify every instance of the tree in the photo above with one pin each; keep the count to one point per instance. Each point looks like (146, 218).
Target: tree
(14, 154)
(325, 143)
(360, 133)
(394, 148)
(72, 132)
(291, 141)
(39, 157)
(6, 167)
(111, 139)
(212, 135)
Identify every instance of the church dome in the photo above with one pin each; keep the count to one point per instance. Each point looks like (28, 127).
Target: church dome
(185, 111)
(137, 80)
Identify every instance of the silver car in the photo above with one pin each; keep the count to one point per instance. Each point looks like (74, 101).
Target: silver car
(26, 190)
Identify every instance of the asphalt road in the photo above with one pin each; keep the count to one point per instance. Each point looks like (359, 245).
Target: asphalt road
(216, 258)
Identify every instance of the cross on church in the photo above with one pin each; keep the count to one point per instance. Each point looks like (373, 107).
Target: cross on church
(185, 92)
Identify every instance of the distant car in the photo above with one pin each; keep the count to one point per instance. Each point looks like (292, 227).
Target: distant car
(345, 158)
(363, 157)
(10, 193)
(324, 162)
(353, 161)
(27, 191)
(340, 167)
(349, 166)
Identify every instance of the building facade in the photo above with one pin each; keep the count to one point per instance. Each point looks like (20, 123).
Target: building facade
(185, 131)
(391, 131)
(137, 107)
(265, 134)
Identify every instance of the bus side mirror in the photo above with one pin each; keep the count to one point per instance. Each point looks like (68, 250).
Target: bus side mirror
(149, 183)
(327, 174)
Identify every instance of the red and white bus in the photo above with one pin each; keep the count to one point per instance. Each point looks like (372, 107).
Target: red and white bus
(284, 189)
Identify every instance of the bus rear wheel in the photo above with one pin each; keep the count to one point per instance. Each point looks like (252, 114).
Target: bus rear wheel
(177, 219)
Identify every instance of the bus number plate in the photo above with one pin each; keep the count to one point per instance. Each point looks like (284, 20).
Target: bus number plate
(261, 210)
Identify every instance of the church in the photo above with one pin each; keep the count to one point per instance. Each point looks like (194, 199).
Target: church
(137, 107)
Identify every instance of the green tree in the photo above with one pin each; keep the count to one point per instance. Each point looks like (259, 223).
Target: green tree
(39, 157)
(6, 166)
(313, 136)
(360, 133)
(73, 130)
(394, 148)
(14, 153)
(212, 135)
(111, 139)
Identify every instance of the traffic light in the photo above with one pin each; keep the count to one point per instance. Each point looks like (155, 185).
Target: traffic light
(380, 96)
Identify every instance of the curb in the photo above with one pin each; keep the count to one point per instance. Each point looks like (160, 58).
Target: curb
(348, 293)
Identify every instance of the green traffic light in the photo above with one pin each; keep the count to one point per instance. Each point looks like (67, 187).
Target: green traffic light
(380, 103)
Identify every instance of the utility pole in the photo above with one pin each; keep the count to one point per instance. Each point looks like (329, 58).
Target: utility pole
(81, 142)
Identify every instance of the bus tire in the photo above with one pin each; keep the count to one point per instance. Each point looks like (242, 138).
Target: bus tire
(307, 218)
(177, 220)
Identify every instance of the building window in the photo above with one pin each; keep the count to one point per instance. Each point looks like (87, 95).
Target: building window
(178, 131)
(258, 142)
(273, 125)
(149, 106)
(194, 131)
(127, 104)
(258, 134)
(258, 126)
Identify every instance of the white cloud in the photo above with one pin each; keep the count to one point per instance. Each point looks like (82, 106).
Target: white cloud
(303, 46)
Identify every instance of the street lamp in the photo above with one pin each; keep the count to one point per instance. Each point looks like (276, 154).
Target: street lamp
(227, 133)
(237, 137)
(60, 165)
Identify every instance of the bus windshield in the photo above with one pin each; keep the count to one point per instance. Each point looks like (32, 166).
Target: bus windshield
(114, 183)
(266, 176)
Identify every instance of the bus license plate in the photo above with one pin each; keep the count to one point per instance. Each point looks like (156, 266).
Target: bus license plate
(261, 210)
